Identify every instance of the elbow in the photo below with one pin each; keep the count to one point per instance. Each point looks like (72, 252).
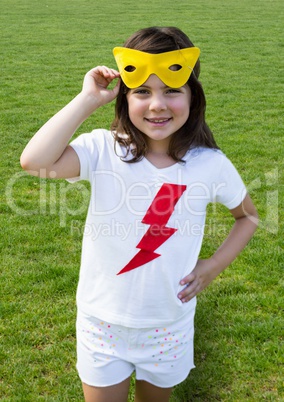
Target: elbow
(250, 212)
(34, 167)
(28, 165)
(24, 162)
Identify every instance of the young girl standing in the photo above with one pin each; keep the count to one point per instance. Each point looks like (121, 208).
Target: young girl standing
(151, 177)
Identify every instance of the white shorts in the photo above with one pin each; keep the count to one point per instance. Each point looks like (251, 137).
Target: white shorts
(107, 354)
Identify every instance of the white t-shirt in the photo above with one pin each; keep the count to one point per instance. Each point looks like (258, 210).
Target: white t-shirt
(121, 194)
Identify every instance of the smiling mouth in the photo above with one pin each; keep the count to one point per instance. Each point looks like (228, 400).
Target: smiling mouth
(159, 121)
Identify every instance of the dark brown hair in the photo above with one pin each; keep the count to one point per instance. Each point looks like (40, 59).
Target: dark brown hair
(195, 131)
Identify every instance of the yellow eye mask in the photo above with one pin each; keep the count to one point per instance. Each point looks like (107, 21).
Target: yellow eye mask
(173, 68)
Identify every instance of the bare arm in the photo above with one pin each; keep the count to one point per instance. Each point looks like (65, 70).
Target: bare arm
(206, 271)
(48, 154)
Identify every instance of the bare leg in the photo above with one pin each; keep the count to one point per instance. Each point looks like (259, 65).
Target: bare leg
(146, 392)
(114, 393)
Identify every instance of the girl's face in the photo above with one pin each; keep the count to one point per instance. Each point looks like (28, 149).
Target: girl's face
(158, 111)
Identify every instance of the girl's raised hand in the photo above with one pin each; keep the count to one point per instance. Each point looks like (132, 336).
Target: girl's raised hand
(96, 84)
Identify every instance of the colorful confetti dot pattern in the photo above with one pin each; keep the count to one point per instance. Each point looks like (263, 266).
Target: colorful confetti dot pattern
(158, 345)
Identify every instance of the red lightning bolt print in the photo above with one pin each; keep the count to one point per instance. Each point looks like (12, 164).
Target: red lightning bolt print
(157, 217)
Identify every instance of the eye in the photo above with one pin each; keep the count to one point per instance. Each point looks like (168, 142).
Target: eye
(175, 67)
(141, 91)
(130, 69)
(173, 91)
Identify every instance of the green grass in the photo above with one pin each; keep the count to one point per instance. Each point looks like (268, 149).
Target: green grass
(46, 48)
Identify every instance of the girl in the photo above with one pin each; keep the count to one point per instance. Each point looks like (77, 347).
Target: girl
(151, 177)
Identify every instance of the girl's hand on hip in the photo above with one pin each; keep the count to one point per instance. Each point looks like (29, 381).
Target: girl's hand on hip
(201, 276)
(96, 84)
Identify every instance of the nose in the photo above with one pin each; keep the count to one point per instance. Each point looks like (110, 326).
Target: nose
(157, 103)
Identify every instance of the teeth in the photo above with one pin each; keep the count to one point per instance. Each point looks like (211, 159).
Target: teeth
(158, 120)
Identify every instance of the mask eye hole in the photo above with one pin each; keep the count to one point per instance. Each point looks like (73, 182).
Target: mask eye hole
(175, 67)
(130, 69)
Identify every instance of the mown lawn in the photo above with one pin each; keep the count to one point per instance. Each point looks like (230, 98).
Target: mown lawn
(46, 48)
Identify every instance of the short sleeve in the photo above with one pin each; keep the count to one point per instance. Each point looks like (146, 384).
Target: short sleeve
(230, 189)
(87, 147)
